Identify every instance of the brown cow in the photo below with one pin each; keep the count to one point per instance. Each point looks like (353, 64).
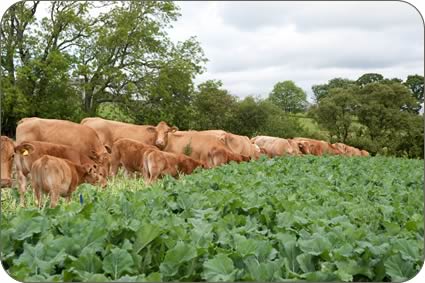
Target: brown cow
(159, 163)
(364, 152)
(350, 150)
(236, 143)
(59, 177)
(220, 155)
(111, 131)
(128, 153)
(77, 136)
(29, 152)
(7, 153)
(316, 147)
(274, 146)
(195, 144)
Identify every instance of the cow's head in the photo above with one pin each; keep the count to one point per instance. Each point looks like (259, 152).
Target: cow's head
(103, 160)
(304, 147)
(341, 147)
(162, 130)
(7, 153)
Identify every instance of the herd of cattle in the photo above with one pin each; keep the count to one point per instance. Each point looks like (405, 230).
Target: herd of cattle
(59, 155)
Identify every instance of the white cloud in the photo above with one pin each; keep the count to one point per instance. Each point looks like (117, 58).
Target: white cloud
(253, 45)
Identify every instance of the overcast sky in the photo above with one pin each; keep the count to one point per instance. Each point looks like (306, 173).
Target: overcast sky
(253, 45)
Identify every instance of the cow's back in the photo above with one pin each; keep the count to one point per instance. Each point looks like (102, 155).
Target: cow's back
(111, 131)
(192, 143)
(77, 136)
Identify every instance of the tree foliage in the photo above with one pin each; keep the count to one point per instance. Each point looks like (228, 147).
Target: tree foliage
(378, 115)
(84, 54)
(288, 96)
(335, 112)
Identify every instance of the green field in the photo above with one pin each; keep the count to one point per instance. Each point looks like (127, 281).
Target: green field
(297, 218)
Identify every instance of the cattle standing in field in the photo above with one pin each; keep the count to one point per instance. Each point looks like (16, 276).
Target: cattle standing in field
(197, 145)
(236, 143)
(274, 146)
(159, 163)
(7, 153)
(128, 153)
(111, 131)
(77, 136)
(29, 152)
(59, 177)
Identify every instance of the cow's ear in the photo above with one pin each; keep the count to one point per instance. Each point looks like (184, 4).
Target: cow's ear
(24, 149)
(151, 129)
(173, 129)
(108, 148)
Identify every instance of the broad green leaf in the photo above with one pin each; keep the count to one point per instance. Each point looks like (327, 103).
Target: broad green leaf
(320, 276)
(176, 256)
(261, 272)
(117, 263)
(409, 249)
(316, 245)
(219, 269)
(88, 262)
(146, 234)
(97, 278)
(306, 263)
(399, 269)
(290, 254)
(245, 246)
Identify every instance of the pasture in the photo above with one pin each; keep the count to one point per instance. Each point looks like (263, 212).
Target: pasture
(297, 218)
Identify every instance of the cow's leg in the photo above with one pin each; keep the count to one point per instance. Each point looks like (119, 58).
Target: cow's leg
(37, 195)
(54, 197)
(22, 183)
(114, 168)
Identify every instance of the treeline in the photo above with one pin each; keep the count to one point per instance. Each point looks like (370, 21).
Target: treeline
(375, 113)
(115, 60)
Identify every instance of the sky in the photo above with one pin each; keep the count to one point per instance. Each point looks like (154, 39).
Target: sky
(253, 45)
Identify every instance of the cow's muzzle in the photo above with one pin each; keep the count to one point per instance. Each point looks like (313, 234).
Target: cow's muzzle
(6, 183)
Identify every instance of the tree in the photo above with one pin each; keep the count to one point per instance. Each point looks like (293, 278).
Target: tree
(289, 97)
(416, 85)
(336, 111)
(382, 107)
(279, 123)
(214, 107)
(249, 117)
(322, 90)
(123, 56)
(369, 78)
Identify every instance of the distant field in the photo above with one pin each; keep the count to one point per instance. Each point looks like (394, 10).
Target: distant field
(312, 127)
(297, 218)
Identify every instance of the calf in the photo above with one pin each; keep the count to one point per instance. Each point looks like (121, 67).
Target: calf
(28, 152)
(128, 153)
(220, 155)
(59, 177)
(159, 163)
(7, 153)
